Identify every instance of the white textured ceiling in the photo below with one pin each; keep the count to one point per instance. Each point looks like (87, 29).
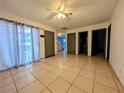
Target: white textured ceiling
(85, 12)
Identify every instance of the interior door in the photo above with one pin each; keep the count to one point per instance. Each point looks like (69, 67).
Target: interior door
(71, 43)
(49, 44)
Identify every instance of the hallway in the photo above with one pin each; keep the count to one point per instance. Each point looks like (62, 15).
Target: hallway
(62, 74)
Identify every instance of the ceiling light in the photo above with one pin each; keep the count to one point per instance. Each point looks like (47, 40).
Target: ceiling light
(61, 16)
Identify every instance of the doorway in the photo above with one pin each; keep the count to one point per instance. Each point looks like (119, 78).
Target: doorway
(71, 43)
(49, 44)
(98, 42)
(82, 43)
(61, 42)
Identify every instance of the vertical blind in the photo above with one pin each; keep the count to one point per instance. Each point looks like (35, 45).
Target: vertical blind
(19, 45)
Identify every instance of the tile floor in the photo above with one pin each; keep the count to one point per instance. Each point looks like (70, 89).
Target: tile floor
(62, 74)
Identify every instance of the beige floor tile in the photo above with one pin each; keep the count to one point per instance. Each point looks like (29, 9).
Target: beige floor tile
(100, 88)
(74, 70)
(58, 71)
(74, 89)
(10, 88)
(89, 67)
(109, 81)
(36, 69)
(46, 91)
(102, 65)
(21, 75)
(24, 81)
(5, 74)
(105, 71)
(48, 79)
(68, 76)
(41, 73)
(87, 74)
(59, 86)
(78, 65)
(84, 84)
(67, 68)
(34, 87)
(119, 84)
(18, 70)
(4, 82)
(51, 68)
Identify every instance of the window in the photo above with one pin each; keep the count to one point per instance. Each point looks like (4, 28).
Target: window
(19, 44)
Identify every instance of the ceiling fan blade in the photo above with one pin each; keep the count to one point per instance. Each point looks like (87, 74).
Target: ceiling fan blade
(49, 10)
(52, 16)
(68, 14)
(68, 18)
(79, 3)
(62, 5)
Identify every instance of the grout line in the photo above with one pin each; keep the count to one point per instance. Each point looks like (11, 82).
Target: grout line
(103, 83)
(52, 82)
(46, 87)
(14, 82)
(12, 78)
(113, 77)
(27, 85)
(75, 79)
(75, 85)
(106, 85)
(23, 76)
(94, 77)
(42, 83)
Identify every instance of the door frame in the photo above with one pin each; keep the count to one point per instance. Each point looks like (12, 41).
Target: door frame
(109, 40)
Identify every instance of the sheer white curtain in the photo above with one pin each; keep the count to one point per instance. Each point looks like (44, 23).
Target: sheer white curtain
(25, 45)
(8, 45)
(28, 44)
(19, 45)
(36, 44)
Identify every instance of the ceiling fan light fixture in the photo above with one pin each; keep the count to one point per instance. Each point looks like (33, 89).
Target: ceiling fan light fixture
(61, 16)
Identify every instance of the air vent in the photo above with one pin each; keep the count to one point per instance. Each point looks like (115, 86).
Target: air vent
(64, 28)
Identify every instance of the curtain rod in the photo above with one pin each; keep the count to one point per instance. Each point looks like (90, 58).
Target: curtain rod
(19, 23)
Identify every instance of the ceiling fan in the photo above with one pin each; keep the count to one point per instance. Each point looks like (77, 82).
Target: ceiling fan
(60, 13)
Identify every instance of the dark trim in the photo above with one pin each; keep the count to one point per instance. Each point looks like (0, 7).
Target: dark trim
(109, 40)
(42, 36)
(50, 56)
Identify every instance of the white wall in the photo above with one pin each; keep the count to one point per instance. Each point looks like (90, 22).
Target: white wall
(117, 41)
(7, 15)
(89, 29)
(42, 44)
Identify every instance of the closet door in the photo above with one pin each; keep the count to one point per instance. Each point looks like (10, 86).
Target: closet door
(71, 43)
(49, 44)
